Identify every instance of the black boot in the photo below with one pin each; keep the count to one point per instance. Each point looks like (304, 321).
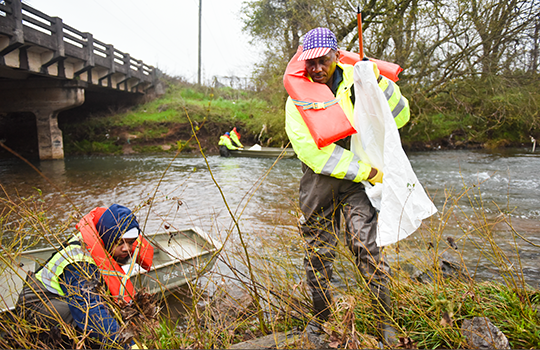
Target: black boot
(321, 312)
(321, 305)
(383, 308)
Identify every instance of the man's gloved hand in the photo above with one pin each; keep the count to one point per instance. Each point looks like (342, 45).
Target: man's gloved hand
(377, 178)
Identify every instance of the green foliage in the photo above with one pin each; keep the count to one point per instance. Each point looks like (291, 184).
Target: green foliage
(183, 146)
(165, 119)
(495, 110)
(147, 149)
(422, 306)
(93, 147)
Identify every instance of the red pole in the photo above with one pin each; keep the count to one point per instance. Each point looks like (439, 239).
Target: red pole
(361, 44)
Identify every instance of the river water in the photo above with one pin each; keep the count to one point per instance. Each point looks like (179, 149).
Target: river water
(187, 191)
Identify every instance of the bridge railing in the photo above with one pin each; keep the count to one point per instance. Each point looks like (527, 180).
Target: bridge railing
(68, 52)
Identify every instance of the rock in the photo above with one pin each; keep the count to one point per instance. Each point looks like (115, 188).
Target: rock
(316, 336)
(447, 262)
(127, 149)
(272, 341)
(482, 334)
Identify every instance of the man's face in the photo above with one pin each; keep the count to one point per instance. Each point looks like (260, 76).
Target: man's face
(322, 68)
(122, 250)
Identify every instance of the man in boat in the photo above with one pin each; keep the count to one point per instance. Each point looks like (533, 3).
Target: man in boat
(64, 290)
(235, 138)
(331, 186)
(225, 145)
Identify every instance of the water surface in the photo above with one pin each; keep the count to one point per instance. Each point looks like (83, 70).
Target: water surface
(186, 191)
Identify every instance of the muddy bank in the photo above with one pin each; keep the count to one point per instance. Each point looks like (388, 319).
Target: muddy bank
(85, 138)
(138, 140)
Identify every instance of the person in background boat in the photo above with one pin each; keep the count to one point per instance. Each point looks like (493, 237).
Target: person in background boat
(331, 187)
(235, 138)
(65, 288)
(225, 144)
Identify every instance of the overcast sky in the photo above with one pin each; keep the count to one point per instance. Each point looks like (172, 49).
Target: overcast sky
(164, 33)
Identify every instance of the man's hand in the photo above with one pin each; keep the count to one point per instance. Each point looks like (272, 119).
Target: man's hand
(375, 176)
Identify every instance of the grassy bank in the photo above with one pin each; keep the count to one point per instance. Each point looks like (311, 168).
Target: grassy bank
(164, 124)
(475, 112)
(263, 289)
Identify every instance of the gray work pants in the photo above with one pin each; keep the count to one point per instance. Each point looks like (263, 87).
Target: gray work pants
(322, 200)
(41, 307)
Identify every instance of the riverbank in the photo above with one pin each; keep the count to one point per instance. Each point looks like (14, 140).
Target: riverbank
(167, 124)
(433, 307)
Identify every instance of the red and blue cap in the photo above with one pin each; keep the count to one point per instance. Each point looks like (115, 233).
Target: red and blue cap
(317, 43)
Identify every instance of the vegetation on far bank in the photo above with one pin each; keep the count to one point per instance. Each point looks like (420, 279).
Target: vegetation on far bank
(495, 112)
(164, 124)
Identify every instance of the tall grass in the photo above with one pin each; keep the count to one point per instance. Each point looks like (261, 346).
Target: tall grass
(258, 288)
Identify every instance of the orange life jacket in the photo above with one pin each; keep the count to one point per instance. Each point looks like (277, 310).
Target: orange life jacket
(389, 70)
(114, 276)
(237, 133)
(316, 102)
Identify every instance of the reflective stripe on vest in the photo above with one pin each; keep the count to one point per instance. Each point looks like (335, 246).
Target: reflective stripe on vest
(50, 273)
(334, 160)
(398, 104)
(127, 275)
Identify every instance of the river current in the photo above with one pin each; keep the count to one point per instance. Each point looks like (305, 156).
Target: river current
(191, 191)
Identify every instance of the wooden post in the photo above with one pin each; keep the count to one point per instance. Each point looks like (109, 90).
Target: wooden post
(200, 35)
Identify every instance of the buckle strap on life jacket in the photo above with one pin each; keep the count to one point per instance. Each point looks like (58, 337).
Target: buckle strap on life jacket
(127, 275)
(315, 105)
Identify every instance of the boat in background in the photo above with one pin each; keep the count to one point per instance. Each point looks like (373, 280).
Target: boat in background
(257, 151)
(179, 257)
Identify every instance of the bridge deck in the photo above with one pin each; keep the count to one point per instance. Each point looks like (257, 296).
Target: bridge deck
(34, 43)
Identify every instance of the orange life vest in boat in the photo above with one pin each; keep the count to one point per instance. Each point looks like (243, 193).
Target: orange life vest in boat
(114, 276)
(316, 102)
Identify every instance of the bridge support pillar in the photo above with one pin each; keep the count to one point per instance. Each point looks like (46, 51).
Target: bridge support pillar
(45, 99)
(50, 141)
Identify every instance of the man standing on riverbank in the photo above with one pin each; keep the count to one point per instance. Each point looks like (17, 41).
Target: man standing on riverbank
(331, 186)
(65, 289)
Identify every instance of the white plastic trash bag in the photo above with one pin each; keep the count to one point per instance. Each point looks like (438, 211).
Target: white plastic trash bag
(401, 199)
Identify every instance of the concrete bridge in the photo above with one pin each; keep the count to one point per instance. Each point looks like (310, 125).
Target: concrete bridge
(47, 67)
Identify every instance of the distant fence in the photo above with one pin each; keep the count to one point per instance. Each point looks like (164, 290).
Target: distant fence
(32, 40)
(241, 83)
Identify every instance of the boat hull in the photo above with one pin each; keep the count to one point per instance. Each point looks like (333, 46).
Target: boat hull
(179, 257)
(264, 152)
